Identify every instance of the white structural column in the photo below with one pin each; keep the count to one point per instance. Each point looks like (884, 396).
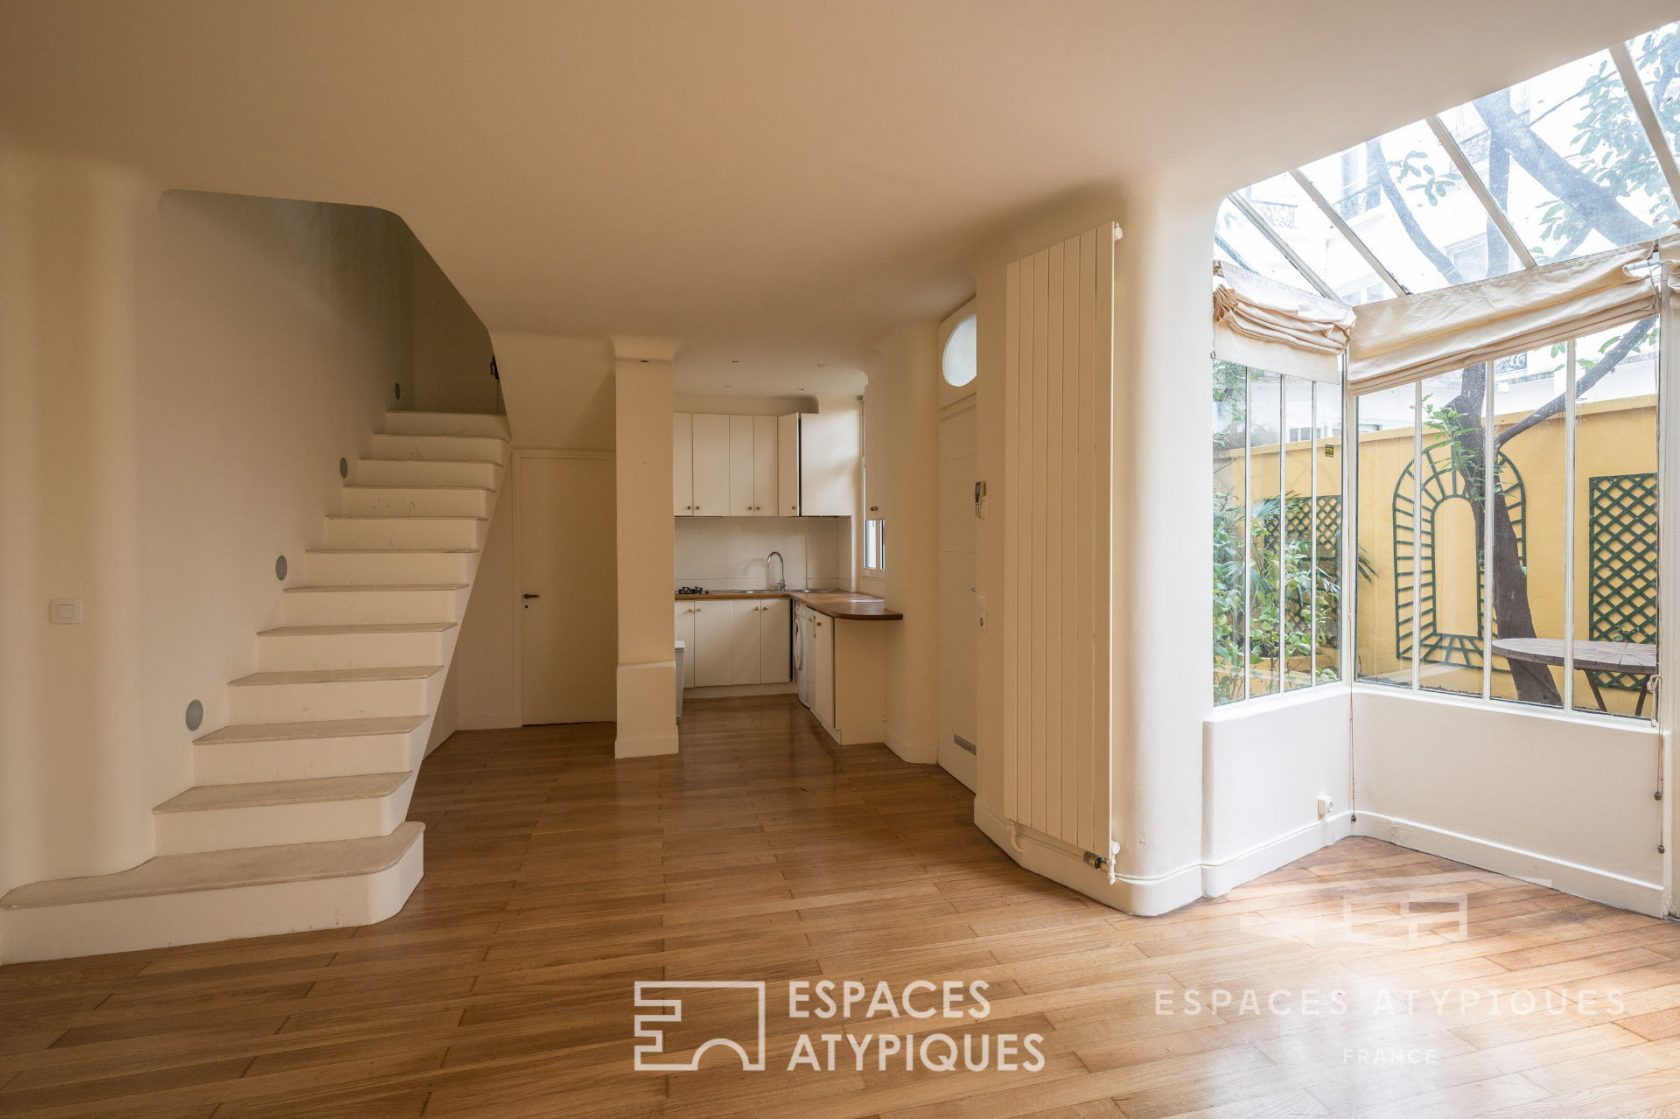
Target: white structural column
(647, 710)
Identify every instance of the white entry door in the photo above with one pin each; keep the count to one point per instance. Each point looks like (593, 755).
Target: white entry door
(958, 618)
(567, 577)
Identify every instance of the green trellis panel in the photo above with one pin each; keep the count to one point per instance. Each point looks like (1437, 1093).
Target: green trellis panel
(1622, 548)
(1298, 522)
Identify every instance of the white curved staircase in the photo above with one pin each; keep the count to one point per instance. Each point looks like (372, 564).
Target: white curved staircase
(297, 820)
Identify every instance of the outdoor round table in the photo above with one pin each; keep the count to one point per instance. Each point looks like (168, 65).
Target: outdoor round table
(1632, 657)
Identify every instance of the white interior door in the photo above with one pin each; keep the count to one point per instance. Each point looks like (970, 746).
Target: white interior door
(958, 617)
(711, 465)
(741, 466)
(775, 634)
(567, 574)
(682, 464)
(714, 624)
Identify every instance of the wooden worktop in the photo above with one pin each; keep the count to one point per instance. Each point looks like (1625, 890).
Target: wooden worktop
(841, 605)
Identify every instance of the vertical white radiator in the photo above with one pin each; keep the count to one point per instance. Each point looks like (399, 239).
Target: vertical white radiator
(1058, 457)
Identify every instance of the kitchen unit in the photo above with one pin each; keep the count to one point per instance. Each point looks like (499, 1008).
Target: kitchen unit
(833, 650)
(735, 639)
(797, 465)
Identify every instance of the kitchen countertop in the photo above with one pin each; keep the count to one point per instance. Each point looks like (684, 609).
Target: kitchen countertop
(841, 605)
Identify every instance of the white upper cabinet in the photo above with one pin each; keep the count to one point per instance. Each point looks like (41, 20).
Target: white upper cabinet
(787, 465)
(741, 466)
(801, 465)
(682, 464)
(764, 466)
(828, 464)
(711, 465)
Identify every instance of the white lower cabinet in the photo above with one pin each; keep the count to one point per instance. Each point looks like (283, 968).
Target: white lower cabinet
(735, 641)
(685, 634)
(823, 663)
(775, 641)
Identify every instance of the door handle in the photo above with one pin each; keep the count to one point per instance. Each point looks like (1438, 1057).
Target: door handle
(528, 594)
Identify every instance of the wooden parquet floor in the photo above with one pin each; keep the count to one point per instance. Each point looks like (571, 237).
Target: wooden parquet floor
(556, 878)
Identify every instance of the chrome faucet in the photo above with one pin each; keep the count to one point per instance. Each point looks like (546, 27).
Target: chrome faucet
(781, 583)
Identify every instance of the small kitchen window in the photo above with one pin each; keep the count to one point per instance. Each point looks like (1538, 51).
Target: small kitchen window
(875, 544)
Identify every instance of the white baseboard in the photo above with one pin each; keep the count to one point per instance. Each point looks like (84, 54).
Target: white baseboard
(506, 719)
(1153, 896)
(648, 746)
(1558, 874)
(1221, 876)
(909, 751)
(727, 691)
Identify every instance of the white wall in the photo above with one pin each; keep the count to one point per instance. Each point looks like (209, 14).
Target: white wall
(901, 417)
(731, 553)
(183, 373)
(1560, 799)
(451, 346)
(1264, 765)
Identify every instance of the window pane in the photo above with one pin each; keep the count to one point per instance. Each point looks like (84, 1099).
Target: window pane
(1438, 233)
(1264, 574)
(1569, 160)
(1304, 228)
(1383, 634)
(1657, 56)
(1526, 582)
(1616, 538)
(1297, 535)
(1235, 239)
(1230, 520)
(1448, 525)
(1327, 531)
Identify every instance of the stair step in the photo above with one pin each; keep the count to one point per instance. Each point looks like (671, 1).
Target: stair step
(215, 895)
(348, 530)
(447, 423)
(446, 448)
(371, 645)
(292, 695)
(338, 566)
(293, 751)
(418, 501)
(402, 472)
(265, 813)
(267, 794)
(315, 728)
(374, 603)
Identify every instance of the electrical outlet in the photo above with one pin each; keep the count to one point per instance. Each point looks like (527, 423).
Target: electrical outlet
(65, 611)
(1326, 805)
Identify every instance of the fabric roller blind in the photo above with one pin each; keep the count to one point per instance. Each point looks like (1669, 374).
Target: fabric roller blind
(1271, 326)
(1409, 338)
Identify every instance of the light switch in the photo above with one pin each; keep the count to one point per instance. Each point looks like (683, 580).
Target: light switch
(65, 611)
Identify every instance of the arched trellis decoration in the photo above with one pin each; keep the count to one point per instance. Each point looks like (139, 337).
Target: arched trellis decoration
(1443, 482)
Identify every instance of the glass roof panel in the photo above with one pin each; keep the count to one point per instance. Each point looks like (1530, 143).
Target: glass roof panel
(1403, 197)
(1568, 160)
(1300, 224)
(1235, 239)
(1657, 56)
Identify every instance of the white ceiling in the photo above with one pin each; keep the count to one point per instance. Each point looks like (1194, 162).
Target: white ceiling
(774, 182)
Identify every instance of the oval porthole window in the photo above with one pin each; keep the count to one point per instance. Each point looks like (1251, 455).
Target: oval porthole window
(960, 360)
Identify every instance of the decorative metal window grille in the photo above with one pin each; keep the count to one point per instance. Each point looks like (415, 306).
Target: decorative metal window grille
(1622, 546)
(1443, 482)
